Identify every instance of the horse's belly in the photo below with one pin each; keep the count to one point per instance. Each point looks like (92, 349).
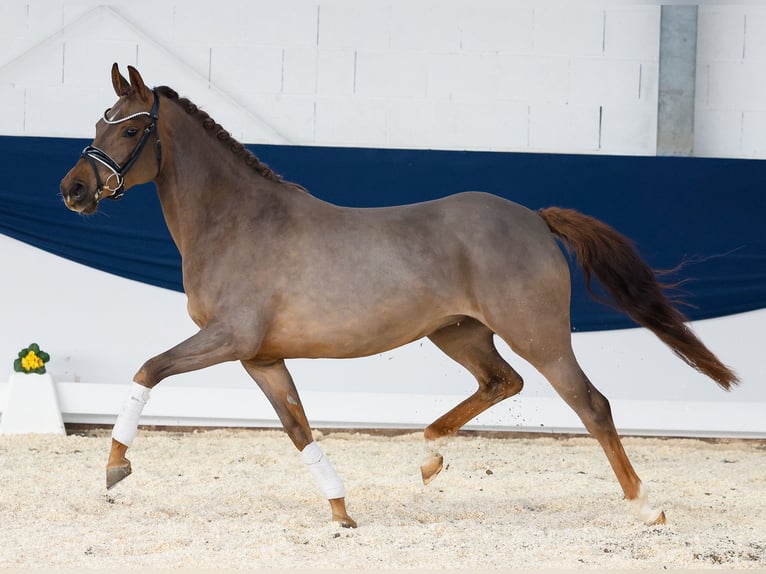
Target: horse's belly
(354, 337)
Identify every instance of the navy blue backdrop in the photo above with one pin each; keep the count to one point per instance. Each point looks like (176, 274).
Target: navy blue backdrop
(708, 212)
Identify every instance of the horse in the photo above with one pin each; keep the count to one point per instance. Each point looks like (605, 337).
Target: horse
(273, 273)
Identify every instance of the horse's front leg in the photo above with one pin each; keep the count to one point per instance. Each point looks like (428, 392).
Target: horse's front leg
(208, 347)
(277, 384)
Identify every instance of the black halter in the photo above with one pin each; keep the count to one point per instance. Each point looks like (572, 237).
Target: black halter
(94, 154)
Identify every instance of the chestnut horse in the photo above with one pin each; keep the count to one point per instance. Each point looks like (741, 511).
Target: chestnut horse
(273, 273)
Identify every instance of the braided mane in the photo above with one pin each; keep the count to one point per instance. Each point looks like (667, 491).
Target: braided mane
(221, 134)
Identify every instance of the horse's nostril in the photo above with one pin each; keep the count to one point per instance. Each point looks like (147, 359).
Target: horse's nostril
(77, 190)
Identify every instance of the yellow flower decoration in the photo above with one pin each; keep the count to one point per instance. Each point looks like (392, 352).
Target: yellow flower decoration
(31, 360)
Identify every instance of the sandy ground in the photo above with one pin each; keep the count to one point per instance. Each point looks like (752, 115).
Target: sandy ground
(240, 499)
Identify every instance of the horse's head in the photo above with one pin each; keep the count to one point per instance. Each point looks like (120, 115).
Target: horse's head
(119, 156)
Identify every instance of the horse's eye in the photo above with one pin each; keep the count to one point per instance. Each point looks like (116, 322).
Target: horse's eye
(130, 132)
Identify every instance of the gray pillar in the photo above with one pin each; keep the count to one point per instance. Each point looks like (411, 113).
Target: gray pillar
(678, 58)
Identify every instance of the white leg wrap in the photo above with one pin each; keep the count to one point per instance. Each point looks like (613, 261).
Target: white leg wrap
(321, 469)
(641, 508)
(126, 427)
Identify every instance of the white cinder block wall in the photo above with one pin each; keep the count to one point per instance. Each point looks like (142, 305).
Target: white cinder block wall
(454, 74)
(444, 74)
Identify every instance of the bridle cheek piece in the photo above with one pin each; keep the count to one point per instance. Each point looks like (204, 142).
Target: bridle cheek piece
(97, 156)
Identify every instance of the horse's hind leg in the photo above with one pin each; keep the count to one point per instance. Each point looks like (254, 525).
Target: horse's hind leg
(276, 383)
(470, 344)
(565, 375)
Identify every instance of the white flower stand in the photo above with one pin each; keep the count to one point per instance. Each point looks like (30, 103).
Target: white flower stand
(32, 406)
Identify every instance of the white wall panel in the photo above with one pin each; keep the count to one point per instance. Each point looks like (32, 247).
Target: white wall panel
(233, 56)
(354, 25)
(336, 70)
(731, 85)
(13, 109)
(628, 128)
(571, 29)
(391, 73)
(299, 70)
(570, 126)
(717, 132)
(721, 33)
(604, 81)
(632, 32)
(497, 27)
(236, 70)
(532, 79)
(425, 25)
(340, 121)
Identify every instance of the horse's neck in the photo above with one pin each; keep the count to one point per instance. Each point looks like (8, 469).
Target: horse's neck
(198, 183)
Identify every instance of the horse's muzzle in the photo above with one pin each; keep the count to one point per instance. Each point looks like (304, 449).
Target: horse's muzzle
(77, 196)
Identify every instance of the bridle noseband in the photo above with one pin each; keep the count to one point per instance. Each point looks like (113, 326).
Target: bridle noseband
(94, 154)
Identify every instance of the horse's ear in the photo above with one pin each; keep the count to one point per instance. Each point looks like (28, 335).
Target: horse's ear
(137, 84)
(121, 85)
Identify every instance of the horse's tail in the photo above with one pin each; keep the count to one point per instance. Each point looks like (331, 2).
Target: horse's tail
(613, 259)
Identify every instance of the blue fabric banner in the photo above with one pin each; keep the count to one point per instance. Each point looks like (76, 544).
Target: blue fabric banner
(709, 213)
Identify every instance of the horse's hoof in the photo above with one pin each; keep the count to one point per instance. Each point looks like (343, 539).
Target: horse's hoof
(116, 473)
(431, 467)
(339, 514)
(344, 521)
(661, 519)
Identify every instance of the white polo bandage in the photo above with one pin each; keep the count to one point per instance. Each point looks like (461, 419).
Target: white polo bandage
(641, 508)
(321, 469)
(126, 427)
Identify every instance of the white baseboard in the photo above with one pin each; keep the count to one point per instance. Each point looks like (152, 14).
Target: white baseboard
(92, 403)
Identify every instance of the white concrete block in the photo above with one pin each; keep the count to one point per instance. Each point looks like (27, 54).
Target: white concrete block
(247, 23)
(354, 25)
(717, 133)
(632, 32)
(12, 111)
(161, 27)
(575, 30)
(425, 25)
(492, 26)
(492, 125)
(462, 75)
(41, 66)
(32, 406)
(441, 124)
(563, 128)
(629, 129)
(649, 73)
(720, 33)
(533, 78)
(291, 115)
(350, 122)
(84, 66)
(299, 70)
(755, 35)
(390, 73)
(601, 81)
(740, 85)
(336, 71)
(754, 134)
(165, 65)
(13, 18)
(237, 70)
(420, 124)
(292, 23)
(84, 107)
